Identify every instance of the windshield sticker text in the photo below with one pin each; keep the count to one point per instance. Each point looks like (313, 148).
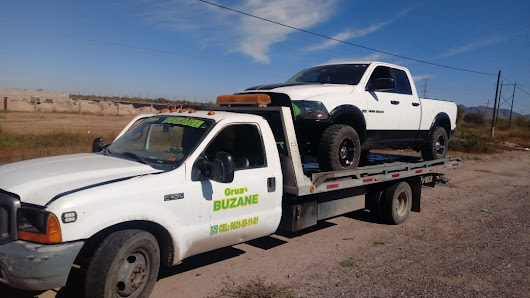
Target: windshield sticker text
(237, 224)
(154, 119)
(184, 121)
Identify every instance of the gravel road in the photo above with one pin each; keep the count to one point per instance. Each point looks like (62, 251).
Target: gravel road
(450, 249)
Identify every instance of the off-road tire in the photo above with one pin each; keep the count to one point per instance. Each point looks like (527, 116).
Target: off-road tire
(339, 148)
(436, 146)
(397, 203)
(125, 260)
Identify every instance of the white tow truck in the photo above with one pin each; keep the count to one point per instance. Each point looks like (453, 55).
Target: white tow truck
(173, 185)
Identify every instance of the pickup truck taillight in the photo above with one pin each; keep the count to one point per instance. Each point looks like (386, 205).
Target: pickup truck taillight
(39, 226)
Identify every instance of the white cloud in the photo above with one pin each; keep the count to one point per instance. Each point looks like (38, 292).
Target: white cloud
(237, 32)
(474, 45)
(356, 33)
(258, 36)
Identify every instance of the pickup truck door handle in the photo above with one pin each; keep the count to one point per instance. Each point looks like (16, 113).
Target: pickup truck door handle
(271, 184)
(415, 104)
(394, 102)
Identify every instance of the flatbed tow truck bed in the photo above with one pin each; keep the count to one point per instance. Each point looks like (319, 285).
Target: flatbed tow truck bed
(311, 195)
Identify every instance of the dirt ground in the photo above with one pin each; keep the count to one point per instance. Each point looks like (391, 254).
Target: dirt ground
(450, 249)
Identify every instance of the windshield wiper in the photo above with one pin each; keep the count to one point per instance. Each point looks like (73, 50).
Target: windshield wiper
(135, 157)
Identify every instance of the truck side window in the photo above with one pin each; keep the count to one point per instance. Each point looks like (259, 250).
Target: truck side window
(381, 72)
(402, 82)
(243, 142)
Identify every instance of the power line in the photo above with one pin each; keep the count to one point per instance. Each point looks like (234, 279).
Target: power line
(343, 41)
(518, 87)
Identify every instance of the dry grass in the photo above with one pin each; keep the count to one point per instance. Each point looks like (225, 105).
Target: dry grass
(32, 135)
(16, 147)
(474, 138)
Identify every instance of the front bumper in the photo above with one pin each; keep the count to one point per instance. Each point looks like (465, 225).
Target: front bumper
(31, 266)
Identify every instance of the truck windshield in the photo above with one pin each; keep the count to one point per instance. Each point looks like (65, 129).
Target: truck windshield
(349, 74)
(162, 142)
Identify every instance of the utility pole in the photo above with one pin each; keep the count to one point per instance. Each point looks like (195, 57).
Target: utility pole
(425, 81)
(494, 106)
(511, 108)
(499, 103)
(487, 107)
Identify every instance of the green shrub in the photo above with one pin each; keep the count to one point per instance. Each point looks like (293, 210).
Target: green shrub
(471, 142)
(475, 118)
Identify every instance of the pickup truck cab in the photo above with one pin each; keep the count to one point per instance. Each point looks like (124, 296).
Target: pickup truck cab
(344, 109)
(176, 185)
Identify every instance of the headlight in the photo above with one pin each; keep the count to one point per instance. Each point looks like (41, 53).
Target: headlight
(314, 110)
(37, 225)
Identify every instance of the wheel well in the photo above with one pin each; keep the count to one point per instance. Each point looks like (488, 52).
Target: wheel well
(354, 118)
(444, 122)
(162, 236)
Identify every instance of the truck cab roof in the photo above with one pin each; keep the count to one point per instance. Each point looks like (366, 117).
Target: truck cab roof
(216, 116)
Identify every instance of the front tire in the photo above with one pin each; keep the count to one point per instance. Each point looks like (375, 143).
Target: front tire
(339, 149)
(436, 146)
(126, 264)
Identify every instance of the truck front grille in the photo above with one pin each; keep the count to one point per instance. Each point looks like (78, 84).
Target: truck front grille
(8, 220)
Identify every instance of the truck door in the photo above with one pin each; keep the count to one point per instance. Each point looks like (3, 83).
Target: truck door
(233, 212)
(409, 105)
(383, 114)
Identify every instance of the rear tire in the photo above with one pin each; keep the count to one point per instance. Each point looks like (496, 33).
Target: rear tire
(397, 203)
(339, 148)
(436, 146)
(126, 264)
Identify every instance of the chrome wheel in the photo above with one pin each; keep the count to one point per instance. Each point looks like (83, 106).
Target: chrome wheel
(346, 153)
(440, 146)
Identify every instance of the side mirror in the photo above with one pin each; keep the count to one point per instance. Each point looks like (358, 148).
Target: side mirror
(97, 145)
(222, 169)
(381, 84)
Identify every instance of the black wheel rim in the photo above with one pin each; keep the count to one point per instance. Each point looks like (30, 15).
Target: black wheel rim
(440, 146)
(133, 274)
(346, 153)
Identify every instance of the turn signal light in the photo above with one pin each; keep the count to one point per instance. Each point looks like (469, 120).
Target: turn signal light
(261, 99)
(52, 234)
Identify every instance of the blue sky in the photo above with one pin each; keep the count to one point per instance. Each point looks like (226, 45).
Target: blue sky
(188, 49)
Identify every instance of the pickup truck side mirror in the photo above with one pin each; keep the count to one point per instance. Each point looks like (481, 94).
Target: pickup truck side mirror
(97, 145)
(381, 84)
(220, 170)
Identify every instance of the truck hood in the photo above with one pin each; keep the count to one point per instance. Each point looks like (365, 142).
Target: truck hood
(302, 91)
(37, 181)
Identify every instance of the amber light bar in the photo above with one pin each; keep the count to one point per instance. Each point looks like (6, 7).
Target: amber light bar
(261, 99)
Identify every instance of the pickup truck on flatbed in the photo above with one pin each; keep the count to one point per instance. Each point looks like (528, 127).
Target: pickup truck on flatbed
(173, 185)
(342, 110)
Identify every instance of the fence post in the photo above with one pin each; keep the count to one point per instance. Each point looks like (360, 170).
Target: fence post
(5, 103)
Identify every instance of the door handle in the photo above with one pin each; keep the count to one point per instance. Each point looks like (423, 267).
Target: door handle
(415, 104)
(271, 184)
(394, 102)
